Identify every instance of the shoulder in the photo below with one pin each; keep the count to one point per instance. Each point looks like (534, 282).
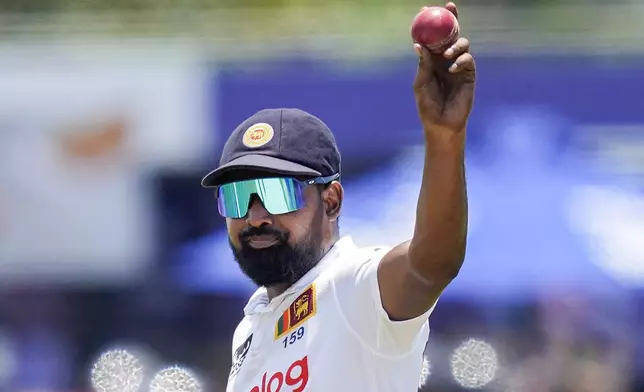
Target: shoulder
(354, 273)
(348, 254)
(374, 253)
(357, 292)
(357, 262)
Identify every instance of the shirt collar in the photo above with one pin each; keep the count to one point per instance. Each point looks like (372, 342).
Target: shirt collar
(259, 302)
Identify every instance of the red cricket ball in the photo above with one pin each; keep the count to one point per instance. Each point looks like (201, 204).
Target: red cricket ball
(436, 28)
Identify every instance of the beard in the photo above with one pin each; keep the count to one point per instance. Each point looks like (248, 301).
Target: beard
(281, 263)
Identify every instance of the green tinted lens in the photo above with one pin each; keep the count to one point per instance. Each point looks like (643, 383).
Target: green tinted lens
(279, 196)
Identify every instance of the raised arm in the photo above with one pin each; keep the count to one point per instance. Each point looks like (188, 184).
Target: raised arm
(412, 275)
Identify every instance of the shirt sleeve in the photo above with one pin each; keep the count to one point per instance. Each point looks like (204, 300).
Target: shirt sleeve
(357, 294)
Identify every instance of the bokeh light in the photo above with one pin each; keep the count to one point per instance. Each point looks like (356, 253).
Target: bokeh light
(425, 372)
(474, 364)
(175, 379)
(117, 370)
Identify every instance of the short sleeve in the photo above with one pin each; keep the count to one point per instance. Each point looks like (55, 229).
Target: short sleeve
(357, 293)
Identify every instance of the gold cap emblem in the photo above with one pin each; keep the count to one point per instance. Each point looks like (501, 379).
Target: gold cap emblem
(258, 135)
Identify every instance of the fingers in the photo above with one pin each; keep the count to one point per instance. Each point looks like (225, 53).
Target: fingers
(424, 74)
(452, 8)
(464, 62)
(461, 46)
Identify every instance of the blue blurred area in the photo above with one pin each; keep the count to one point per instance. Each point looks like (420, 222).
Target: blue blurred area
(366, 106)
(530, 160)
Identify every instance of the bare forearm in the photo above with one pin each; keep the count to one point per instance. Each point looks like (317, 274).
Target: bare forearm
(437, 248)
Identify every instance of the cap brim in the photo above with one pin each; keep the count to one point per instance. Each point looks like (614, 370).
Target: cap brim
(257, 162)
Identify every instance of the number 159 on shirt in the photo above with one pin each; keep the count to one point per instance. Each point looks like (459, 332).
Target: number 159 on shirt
(293, 337)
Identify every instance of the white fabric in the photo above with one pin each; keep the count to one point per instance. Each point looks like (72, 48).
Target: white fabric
(348, 344)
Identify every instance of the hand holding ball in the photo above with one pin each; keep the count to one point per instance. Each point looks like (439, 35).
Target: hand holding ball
(436, 28)
(445, 75)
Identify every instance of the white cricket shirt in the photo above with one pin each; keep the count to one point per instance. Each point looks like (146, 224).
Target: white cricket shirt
(328, 333)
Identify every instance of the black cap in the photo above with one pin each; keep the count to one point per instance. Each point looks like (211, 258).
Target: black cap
(288, 142)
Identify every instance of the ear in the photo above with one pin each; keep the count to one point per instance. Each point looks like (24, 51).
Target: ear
(332, 198)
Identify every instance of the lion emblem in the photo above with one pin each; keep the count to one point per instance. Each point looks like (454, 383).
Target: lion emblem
(302, 306)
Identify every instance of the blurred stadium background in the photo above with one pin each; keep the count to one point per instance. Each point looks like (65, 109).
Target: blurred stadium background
(110, 112)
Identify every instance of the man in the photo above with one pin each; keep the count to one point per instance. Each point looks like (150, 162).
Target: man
(329, 316)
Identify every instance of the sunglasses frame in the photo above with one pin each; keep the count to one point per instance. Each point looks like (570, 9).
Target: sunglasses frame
(312, 181)
(316, 180)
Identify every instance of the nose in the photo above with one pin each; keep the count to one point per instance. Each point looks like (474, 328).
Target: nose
(257, 215)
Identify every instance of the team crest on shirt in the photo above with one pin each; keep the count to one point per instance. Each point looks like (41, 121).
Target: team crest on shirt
(302, 309)
(240, 354)
(258, 135)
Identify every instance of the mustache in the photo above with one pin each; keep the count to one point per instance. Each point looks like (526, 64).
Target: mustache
(253, 231)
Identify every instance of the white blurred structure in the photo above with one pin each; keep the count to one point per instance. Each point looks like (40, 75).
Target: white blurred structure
(82, 127)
